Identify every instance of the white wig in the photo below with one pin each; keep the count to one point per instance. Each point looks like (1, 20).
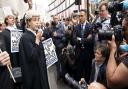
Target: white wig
(29, 14)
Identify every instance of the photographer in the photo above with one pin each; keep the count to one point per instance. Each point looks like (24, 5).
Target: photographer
(117, 74)
(104, 17)
(99, 63)
(58, 37)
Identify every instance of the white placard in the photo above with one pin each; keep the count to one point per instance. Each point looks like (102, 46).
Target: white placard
(15, 39)
(50, 53)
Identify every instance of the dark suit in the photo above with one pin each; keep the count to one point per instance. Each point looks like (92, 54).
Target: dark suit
(33, 63)
(59, 42)
(101, 74)
(84, 51)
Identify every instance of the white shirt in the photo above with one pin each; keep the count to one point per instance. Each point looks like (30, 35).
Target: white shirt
(105, 24)
(83, 25)
(11, 28)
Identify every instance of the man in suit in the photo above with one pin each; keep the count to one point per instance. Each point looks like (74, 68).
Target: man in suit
(84, 43)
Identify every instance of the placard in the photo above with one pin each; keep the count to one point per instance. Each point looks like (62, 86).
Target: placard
(50, 53)
(15, 39)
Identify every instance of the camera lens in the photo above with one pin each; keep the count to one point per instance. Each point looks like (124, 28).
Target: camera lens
(105, 35)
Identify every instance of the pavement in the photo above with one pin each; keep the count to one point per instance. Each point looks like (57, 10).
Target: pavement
(53, 82)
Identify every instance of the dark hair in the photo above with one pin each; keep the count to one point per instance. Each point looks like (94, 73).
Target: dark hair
(84, 10)
(126, 17)
(105, 51)
(68, 19)
(47, 24)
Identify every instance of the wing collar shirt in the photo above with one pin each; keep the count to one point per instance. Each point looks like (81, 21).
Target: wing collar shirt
(11, 28)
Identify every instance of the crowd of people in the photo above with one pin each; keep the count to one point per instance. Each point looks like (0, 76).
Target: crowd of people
(101, 62)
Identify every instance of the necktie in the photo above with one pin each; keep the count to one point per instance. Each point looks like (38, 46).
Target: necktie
(82, 30)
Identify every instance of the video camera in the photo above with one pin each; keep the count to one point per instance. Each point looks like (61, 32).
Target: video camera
(74, 83)
(107, 34)
(118, 6)
(114, 7)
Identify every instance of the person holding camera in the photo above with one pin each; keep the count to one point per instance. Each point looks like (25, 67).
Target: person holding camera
(59, 40)
(104, 17)
(99, 63)
(117, 73)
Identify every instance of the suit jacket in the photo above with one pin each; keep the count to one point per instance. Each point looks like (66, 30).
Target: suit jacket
(101, 75)
(60, 39)
(88, 43)
(33, 63)
(84, 50)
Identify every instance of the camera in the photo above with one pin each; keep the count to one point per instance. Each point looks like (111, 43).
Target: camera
(116, 6)
(74, 83)
(70, 27)
(97, 26)
(107, 34)
(53, 23)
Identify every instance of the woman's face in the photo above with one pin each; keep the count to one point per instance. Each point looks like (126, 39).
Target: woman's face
(10, 20)
(98, 55)
(34, 23)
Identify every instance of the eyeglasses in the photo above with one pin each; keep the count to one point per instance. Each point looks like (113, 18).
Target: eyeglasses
(102, 10)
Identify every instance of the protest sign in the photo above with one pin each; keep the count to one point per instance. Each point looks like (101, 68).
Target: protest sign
(15, 39)
(50, 53)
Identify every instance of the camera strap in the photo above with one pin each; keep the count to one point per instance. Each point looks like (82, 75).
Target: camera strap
(103, 20)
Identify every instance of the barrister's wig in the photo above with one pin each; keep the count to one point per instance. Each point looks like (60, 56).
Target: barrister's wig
(29, 14)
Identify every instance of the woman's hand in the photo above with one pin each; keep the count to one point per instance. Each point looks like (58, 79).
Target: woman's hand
(4, 59)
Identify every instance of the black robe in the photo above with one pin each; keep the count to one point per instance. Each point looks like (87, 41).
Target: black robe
(13, 56)
(33, 63)
(5, 81)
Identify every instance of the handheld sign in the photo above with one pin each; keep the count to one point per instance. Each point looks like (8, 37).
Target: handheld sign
(50, 53)
(15, 39)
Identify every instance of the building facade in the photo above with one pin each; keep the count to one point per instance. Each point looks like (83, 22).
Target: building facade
(64, 8)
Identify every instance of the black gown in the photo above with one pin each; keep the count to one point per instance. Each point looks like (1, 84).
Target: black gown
(13, 56)
(5, 81)
(33, 63)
